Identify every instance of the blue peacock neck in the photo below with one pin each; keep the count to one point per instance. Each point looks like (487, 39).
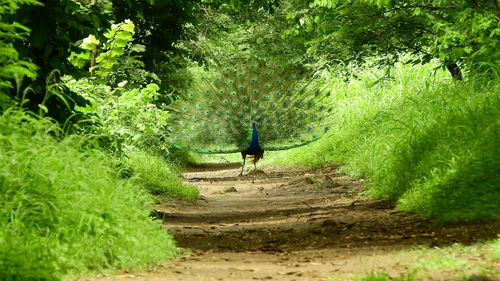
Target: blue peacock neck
(254, 146)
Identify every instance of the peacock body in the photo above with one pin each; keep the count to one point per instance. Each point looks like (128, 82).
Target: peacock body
(250, 110)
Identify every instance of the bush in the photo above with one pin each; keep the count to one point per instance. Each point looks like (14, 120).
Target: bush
(64, 210)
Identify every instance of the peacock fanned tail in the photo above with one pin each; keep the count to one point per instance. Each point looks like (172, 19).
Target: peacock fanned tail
(219, 113)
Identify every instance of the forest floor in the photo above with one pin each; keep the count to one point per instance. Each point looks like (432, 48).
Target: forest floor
(301, 224)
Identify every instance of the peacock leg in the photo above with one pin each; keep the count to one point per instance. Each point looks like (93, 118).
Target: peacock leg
(244, 156)
(256, 158)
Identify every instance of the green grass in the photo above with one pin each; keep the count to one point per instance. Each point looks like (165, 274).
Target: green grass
(461, 259)
(63, 208)
(456, 262)
(157, 176)
(424, 141)
(381, 276)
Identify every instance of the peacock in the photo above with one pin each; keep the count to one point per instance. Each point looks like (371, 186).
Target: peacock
(250, 109)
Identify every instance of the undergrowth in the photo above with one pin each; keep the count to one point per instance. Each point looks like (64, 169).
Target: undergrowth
(423, 140)
(157, 176)
(63, 208)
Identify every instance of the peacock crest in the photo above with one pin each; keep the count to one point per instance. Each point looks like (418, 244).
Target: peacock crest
(250, 109)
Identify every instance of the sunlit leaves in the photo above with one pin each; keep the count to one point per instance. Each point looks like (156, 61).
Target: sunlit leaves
(138, 48)
(118, 37)
(121, 99)
(88, 44)
(113, 59)
(324, 3)
(127, 115)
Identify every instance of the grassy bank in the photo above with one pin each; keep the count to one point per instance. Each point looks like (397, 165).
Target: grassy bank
(159, 177)
(64, 209)
(423, 140)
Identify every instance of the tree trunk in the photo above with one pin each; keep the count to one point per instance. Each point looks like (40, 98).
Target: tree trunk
(455, 71)
(92, 60)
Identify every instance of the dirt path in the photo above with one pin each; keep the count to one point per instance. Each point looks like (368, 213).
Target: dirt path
(282, 224)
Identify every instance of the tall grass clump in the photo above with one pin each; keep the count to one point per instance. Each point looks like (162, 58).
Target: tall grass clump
(157, 176)
(64, 210)
(423, 140)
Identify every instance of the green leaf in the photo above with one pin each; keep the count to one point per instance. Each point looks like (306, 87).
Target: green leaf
(122, 84)
(43, 108)
(89, 42)
(138, 48)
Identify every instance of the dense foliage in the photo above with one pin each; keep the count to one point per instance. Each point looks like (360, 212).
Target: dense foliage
(458, 33)
(235, 38)
(85, 88)
(52, 39)
(64, 208)
(120, 94)
(12, 67)
(76, 193)
(422, 140)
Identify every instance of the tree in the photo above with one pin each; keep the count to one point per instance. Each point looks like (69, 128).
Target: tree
(159, 24)
(461, 32)
(236, 36)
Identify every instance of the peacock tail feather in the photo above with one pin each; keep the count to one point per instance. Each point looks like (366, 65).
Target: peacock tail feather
(218, 114)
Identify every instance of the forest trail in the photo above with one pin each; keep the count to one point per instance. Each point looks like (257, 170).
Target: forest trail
(290, 224)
